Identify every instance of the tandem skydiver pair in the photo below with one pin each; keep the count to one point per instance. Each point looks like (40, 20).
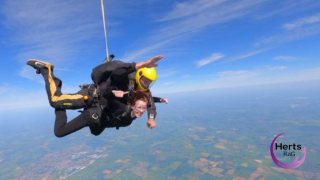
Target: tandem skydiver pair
(120, 93)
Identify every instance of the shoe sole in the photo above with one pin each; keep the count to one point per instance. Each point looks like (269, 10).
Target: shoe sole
(38, 61)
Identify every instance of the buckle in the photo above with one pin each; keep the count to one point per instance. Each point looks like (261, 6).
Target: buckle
(95, 116)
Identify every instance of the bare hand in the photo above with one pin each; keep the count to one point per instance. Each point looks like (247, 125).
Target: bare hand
(151, 123)
(119, 94)
(151, 62)
(166, 101)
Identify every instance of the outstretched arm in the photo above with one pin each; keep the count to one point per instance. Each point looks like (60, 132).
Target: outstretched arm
(151, 123)
(123, 70)
(160, 100)
(149, 63)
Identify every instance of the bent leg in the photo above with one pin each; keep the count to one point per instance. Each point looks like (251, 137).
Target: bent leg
(63, 128)
(55, 96)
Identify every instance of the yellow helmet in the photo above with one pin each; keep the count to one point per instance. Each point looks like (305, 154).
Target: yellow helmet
(145, 77)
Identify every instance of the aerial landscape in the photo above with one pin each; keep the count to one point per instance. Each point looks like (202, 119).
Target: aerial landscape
(235, 84)
(227, 138)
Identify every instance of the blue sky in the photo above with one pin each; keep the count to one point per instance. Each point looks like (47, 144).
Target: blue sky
(206, 44)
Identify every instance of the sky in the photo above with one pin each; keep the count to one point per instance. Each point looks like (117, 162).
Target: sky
(206, 44)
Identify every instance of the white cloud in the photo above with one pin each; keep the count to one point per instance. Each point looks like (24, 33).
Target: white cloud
(59, 31)
(302, 22)
(30, 73)
(277, 68)
(298, 29)
(185, 9)
(285, 58)
(186, 20)
(223, 13)
(243, 56)
(50, 30)
(146, 52)
(294, 35)
(286, 7)
(214, 57)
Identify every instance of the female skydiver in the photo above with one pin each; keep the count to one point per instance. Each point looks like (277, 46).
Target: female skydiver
(118, 115)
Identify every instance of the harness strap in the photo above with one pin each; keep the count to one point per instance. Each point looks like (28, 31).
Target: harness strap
(125, 113)
(131, 85)
(94, 109)
(131, 81)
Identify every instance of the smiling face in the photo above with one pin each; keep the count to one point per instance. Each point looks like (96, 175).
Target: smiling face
(139, 108)
(139, 102)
